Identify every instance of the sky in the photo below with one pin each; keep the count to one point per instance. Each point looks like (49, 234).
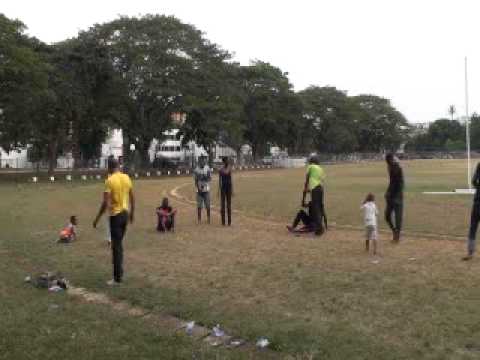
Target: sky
(410, 51)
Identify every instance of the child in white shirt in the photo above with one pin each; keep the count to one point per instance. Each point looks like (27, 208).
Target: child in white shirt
(370, 213)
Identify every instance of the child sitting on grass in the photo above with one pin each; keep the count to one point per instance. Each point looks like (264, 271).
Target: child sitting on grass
(370, 213)
(166, 217)
(69, 234)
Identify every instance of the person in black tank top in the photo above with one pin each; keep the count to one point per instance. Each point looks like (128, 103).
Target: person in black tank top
(226, 190)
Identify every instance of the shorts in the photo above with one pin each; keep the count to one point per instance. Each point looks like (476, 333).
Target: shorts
(371, 232)
(203, 200)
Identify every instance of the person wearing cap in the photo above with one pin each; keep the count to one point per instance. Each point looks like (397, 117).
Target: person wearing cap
(314, 181)
(119, 200)
(394, 196)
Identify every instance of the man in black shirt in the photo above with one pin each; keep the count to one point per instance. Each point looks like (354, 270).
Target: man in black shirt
(394, 196)
(475, 215)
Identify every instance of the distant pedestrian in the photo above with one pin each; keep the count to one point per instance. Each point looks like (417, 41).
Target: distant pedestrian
(370, 213)
(474, 216)
(119, 200)
(314, 181)
(394, 196)
(226, 190)
(203, 177)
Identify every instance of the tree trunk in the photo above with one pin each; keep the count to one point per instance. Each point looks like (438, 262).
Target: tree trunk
(210, 155)
(76, 154)
(254, 152)
(238, 153)
(144, 153)
(52, 156)
(126, 152)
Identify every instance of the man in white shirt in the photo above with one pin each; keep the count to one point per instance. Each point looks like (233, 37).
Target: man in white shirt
(203, 177)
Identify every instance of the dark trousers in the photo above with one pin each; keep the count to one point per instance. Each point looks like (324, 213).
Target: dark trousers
(118, 227)
(167, 224)
(226, 197)
(394, 206)
(303, 217)
(474, 220)
(318, 210)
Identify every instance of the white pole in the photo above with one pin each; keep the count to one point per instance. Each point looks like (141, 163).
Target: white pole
(467, 127)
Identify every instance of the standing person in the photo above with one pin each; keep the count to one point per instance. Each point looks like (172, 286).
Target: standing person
(203, 176)
(370, 213)
(226, 189)
(394, 196)
(314, 184)
(117, 199)
(474, 216)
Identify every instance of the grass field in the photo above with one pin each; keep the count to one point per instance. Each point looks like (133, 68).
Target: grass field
(313, 298)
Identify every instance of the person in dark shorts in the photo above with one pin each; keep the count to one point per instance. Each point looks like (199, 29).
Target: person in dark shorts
(304, 217)
(226, 190)
(394, 196)
(119, 200)
(314, 181)
(203, 176)
(166, 217)
(474, 215)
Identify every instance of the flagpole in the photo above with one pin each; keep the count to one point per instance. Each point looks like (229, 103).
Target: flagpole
(467, 127)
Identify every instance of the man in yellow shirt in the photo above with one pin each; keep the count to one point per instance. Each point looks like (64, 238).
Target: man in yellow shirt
(118, 199)
(314, 184)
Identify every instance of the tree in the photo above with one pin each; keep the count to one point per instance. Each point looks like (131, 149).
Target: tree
(213, 103)
(267, 91)
(452, 111)
(23, 82)
(475, 131)
(442, 135)
(329, 119)
(93, 93)
(380, 126)
(154, 56)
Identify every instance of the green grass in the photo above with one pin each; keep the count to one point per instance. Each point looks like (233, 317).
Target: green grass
(277, 195)
(312, 298)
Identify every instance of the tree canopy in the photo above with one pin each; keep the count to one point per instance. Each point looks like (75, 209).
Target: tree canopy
(133, 73)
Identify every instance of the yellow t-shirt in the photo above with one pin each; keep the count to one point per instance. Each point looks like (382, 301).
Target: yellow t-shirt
(118, 185)
(317, 176)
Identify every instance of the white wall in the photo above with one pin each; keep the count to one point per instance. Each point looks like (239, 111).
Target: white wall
(14, 159)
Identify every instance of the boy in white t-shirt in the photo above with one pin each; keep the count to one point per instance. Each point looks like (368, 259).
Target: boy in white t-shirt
(370, 213)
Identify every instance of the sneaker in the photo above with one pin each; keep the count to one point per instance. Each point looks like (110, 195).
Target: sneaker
(467, 258)
(113, 283)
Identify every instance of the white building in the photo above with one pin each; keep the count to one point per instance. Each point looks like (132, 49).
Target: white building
(14, 159)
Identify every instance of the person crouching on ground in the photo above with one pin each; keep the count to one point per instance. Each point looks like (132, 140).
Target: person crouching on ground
(304, 217)
(166, 217)
(69, 233)
(370, 213)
